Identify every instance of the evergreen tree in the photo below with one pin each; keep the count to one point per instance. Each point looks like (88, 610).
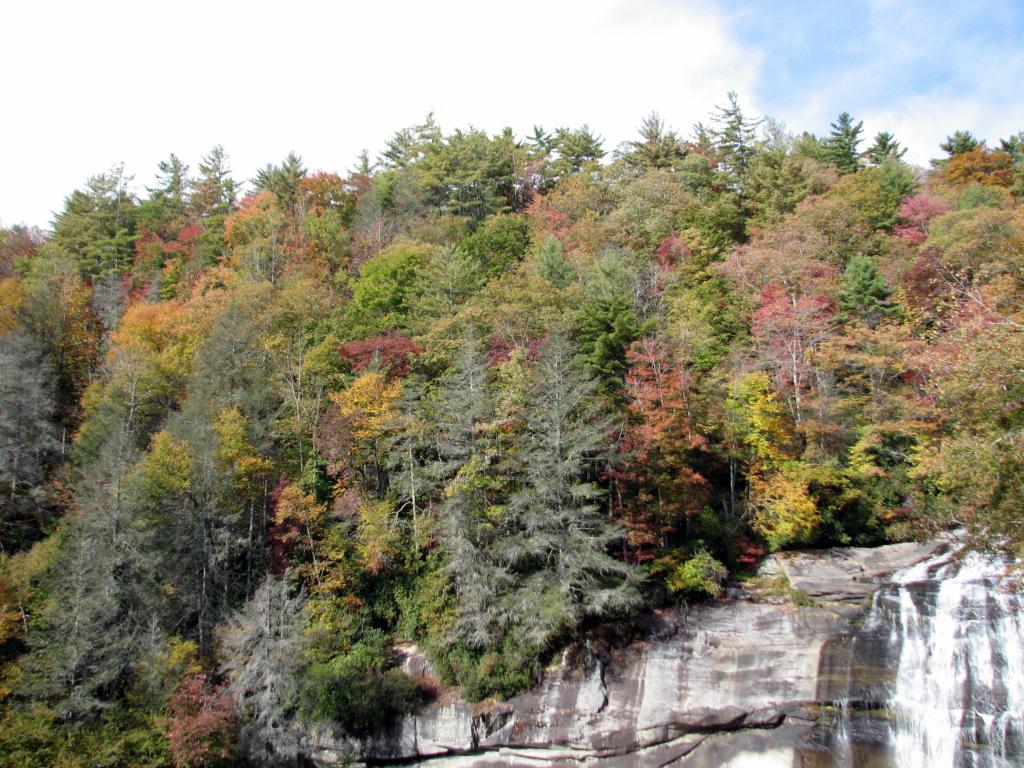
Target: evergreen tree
(864, 294)
(559, 555)
(658, 147)
(607, 323)
(840, 148)
(884, 148)
(28, 432)
(575, 149)
(97, 225)
(213, 198)
(213, 195)
(283, 180)
(551, 264)
(471, 524)
(262, 650)
(734, 137)
(960, 142)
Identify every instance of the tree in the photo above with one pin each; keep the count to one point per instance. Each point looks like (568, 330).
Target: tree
(97, 225)
(840, 148)
(559, 554)
(262, 649)
(885, 147)
(658, 491)
(607, 323)
(28, 432)
(959, 142)
(214, 191)
(788, 326)
(283, 180)
(575, 149)
(213, 198)
(470, 523)
(658, 147)
(734, 138)
(865, 295)
(203, 726)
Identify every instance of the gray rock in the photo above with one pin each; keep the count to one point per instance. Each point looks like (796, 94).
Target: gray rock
(719, 684)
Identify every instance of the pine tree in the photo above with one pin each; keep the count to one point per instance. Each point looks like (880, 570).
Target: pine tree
(884, 148)
(960, 142)
(28, 432)
(840, 148)
(283, 180)
(97, 225)
(734, 137)
(575, 149)
(214, 191)
(864, 294)
(262, 650)
(471, 524)
(658, 147)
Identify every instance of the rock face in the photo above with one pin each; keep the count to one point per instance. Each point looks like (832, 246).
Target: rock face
(733, 683)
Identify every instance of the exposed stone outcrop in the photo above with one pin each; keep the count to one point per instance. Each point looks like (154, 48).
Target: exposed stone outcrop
(711, 685)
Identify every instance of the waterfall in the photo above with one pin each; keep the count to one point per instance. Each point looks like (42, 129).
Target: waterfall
(953, 634)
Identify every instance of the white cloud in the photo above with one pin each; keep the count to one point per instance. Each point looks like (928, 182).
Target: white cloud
(89, 84)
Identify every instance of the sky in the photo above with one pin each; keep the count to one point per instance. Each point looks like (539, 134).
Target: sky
(90, 84)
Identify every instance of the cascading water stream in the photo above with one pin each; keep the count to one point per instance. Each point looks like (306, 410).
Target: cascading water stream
(953, 635)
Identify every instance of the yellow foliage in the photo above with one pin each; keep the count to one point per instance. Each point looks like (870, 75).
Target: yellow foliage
(12, 295)
(378, 535)
(297, 513)
(237, 455)
(784, 512)
(764, 423)
(368, 405)
(167, 466)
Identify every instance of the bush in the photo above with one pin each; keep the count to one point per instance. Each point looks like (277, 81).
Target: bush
(359, 690)
(700, 575)
(500, 671)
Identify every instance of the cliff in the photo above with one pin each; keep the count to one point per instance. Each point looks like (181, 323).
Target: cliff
(732, 683)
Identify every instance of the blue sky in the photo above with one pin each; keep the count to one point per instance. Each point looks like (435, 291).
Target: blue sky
(87, 85)
(917, 62)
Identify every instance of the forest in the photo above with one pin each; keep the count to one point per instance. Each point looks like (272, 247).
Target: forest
(482, 393)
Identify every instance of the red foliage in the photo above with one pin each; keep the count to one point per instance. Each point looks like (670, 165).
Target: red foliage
(927, 289)
(204, 725)
(916, 212)
(392, 352)
(501, 349)
(672, 251)
(750, 554)
(787, 327)
(17, 243)
(657, 491)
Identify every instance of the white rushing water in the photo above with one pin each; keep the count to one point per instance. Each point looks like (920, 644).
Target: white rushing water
(956, 633)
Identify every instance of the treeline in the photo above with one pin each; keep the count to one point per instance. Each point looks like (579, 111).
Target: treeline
(480, 395)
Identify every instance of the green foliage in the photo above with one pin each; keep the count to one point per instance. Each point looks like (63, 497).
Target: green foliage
(960, 142)
(607, 323)
(658, 147)
(358, 690)
(498, 244)
(840, 148)
(466, 399)
(865, 295)
(502, 671)
(381, 295)
(97, 225)
(699, 575)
